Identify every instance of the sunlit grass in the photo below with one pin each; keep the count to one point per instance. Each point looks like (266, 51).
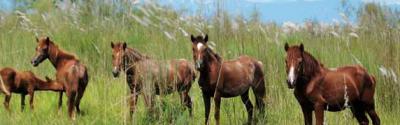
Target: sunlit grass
(105, 101)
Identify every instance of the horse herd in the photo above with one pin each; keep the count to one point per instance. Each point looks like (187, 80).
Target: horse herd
(316, 88)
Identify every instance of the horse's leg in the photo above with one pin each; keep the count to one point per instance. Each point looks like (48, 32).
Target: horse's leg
(186, 100)
(132, 102)
(307, 114)
(31, 95)
(249, 107)
(259, 93)
(217, 100)
(359, 113)
(372, 114)
(60, 98)
(207, 104)
(7, 102)
(22, 102)
(81, 91)
(71, 101)
(319, 113)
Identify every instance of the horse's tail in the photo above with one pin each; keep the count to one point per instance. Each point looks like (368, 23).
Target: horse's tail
(259, 85)
(9, 76)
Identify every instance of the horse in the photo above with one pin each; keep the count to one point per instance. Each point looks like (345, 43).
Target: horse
(227, 78)
(317, 88)
(158, 77)
(25, 83)
(70, 72)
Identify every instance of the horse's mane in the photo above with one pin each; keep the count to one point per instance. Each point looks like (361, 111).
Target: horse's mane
(60, 52)
(212, 53)
(134, 54)
(312, 66)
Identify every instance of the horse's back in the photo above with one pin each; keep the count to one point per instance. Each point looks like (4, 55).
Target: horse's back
(72, 72)
(343, 84)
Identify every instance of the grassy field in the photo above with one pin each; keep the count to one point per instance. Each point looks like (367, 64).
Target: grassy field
(161, 33)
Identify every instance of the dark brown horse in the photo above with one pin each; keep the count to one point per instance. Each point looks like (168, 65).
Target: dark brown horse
(25, 83)
(70, 71)
(227, 78)
(318, 88)
(160, 77)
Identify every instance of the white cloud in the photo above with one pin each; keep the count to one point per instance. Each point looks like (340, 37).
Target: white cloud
(387, 2)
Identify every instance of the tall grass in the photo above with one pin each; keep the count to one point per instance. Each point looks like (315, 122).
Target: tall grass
(86, 29)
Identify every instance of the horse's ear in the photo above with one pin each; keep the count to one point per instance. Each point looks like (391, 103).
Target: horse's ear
(124, 45)
(47, 40)
(206, 38)
(302, 47)
(192, 38)
(286, 47)
(112, 44)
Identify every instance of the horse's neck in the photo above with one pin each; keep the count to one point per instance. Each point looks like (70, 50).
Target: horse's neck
(46, 85)
(213, 64)
(312, 68)
(131, 58)
(58, 57)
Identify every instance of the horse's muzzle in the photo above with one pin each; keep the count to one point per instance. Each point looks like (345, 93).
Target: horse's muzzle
(115, 72)
(198, 64)
(34, 62)
(290, 84)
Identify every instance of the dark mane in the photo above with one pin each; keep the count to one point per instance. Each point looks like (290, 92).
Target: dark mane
(132, 56)
(311, 65)
(212, 53)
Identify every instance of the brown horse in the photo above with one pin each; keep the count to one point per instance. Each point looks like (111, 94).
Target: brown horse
(318, 88)
(162, 77)
(70, 71)
(25, 83)
(227, 78)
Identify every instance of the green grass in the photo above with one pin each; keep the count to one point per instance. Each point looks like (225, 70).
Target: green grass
(88, 35)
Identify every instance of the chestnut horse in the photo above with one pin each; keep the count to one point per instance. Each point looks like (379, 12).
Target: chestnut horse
(162, 77)
(227, 78)
(25, 83)
(70, 71)
(317, 88)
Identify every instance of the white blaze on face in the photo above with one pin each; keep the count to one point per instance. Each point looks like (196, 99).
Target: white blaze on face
(199, 46)
(291, 75)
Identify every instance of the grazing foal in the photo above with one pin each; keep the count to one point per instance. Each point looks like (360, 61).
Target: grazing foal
(160, 77)
(318, 88)
(25, 83)
(70, 71)
(227, 79)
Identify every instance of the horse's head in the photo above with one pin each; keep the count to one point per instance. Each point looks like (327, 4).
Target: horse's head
(118, 51)
(42, 50)
(294, 63)
(199, 47)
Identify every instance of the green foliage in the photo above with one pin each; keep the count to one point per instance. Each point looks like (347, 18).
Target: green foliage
(159, 32)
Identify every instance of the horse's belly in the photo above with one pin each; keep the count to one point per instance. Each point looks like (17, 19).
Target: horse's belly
(233, 92)
(335, 108)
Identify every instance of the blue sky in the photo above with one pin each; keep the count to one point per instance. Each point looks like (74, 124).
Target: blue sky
(276, 10)
(270, 10)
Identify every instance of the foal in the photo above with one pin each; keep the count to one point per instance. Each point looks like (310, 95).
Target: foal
(70, 71)
(25, 83)
(227, 78)
(318, 88)
(163, 77)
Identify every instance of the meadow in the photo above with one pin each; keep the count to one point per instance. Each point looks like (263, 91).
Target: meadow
(86, 29)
